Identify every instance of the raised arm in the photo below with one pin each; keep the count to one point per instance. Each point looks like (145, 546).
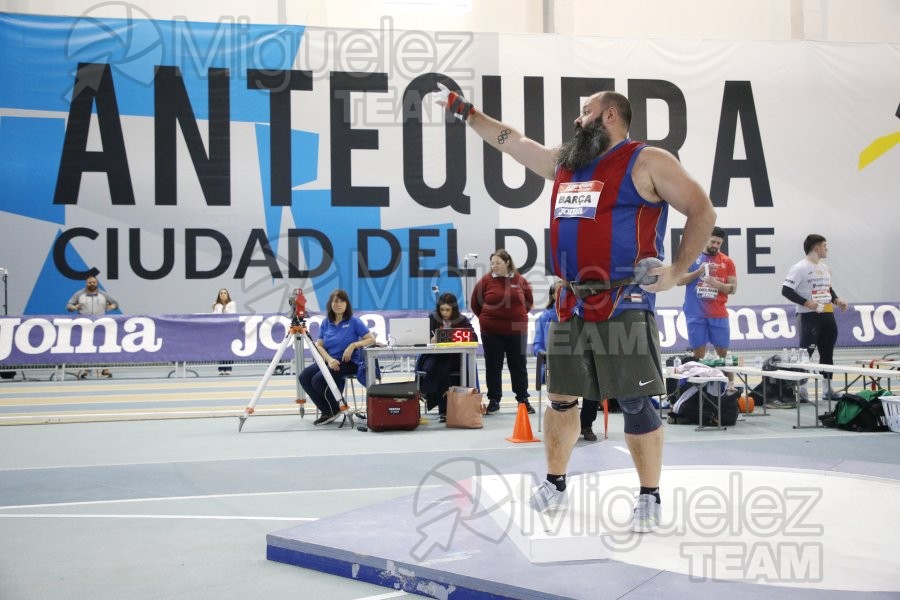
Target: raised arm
(527, 152)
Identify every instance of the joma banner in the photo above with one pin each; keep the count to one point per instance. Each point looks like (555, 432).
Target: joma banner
(54, 339)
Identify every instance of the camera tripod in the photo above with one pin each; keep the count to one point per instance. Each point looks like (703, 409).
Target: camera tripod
(298, 333)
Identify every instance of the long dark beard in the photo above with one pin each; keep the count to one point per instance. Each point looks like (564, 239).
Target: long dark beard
(587, 144)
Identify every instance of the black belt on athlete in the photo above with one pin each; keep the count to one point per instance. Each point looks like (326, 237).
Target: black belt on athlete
(592, 287)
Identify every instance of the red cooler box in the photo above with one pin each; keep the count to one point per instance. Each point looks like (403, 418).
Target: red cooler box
(392, 406)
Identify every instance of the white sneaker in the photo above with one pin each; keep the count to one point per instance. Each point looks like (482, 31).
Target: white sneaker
(545, 498)
(646, 514)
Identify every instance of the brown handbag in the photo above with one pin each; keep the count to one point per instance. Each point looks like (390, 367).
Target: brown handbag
(465, 408)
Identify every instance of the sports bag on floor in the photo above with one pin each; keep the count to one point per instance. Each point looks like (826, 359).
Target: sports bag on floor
(861, 412)
(686, 410)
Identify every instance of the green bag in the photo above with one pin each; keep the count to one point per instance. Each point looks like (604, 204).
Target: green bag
(871, 395)
(858, 412)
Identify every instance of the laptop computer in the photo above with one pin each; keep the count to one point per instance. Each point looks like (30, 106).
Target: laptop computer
(414, 331)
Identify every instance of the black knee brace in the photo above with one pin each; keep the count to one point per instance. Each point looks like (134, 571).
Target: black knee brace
(563, 406)
(639, 415)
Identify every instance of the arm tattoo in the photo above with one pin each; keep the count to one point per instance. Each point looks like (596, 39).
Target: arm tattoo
(504, 135)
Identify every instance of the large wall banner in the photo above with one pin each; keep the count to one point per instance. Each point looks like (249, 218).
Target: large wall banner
(173, 158)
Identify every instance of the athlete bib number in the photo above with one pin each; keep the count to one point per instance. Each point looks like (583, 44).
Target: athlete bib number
(823, 297)
(705, 292)
(577, 200)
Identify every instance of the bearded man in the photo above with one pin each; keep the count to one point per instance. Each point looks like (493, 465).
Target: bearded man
(91, 300)
(607, 217)
(707, 291)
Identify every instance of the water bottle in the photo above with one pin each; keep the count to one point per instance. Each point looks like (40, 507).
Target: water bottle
(758, 362)
(676, 364)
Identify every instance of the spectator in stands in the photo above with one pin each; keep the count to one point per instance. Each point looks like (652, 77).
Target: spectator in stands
(91, 300)
(438, 369)
(341, 336)
(224, 305)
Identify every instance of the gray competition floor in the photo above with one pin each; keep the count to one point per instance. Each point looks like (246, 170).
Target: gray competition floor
(160, 507)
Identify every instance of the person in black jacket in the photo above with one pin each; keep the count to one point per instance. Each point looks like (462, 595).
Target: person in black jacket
(439, 369)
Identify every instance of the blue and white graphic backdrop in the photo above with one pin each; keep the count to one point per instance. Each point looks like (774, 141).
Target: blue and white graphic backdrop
(172, 158)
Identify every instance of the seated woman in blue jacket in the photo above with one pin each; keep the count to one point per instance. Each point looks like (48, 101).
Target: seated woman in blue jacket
(341, 336)
(439, 369)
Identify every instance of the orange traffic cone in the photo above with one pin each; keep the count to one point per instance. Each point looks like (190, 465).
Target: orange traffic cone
(522, 428)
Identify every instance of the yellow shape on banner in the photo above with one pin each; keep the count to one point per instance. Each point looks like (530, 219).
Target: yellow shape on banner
(877, 148)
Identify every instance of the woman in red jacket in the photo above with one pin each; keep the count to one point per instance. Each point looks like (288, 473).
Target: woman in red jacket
(501, 301)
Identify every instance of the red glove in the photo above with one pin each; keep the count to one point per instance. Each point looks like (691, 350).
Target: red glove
(455, 104)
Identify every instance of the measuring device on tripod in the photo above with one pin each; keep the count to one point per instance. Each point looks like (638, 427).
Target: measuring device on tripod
(299, 334)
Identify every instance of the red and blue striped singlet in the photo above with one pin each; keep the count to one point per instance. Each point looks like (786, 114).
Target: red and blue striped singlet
(599, 228)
